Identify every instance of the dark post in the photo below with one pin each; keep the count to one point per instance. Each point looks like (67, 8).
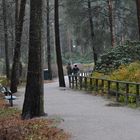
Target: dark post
(72, 81)
(90, 83)
(108, 89)
(96, 85)
(85, 78)
(11, 100)
(80, 82)
(137, 95)
(117, 92)
(76, 79)
(126, 94)
(102, 87)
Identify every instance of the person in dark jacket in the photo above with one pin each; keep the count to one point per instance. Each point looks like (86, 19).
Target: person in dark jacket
(69, 69)
(75, 70)
(69, 72)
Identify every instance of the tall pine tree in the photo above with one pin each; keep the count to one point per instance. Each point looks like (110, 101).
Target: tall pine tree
(34, 96)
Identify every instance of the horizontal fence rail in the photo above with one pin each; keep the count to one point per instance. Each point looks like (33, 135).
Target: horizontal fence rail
(122, 91)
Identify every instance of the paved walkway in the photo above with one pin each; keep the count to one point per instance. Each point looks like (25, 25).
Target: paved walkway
(86, 117)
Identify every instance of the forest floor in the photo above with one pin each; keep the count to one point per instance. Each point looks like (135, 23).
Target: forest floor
(13, 128)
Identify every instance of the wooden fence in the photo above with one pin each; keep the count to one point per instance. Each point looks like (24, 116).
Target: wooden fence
(129, 91)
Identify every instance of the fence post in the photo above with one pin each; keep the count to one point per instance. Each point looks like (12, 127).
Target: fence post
(126, 94)
(80, 80)
(85, 78)
(102, 87)
(117, 93)
(76, 78)
(96, 85)
(72, 81)
(90, 83)
(137, 95)
(108, 93)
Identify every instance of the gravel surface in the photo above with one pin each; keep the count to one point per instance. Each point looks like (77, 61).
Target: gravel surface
(86, 117)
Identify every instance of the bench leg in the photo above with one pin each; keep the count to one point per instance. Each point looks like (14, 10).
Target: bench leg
(11, 102)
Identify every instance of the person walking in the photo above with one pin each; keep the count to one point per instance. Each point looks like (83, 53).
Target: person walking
(69, 69)
(69, 72)
(75, 70)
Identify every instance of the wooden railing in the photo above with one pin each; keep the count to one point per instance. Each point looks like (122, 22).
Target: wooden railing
(108, 87)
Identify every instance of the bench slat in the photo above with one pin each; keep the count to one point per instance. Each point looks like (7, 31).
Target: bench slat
(9, 97)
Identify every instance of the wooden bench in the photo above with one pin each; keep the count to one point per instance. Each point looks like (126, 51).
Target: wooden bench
(8, 94)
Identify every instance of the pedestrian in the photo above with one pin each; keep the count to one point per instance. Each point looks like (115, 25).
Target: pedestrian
(69, 72)
(75, 70)
(69, 69)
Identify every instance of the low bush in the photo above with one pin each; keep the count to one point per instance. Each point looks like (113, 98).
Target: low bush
(130, 73)
(4, 81)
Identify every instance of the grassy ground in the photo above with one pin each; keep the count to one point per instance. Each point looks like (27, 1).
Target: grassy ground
(13, 128)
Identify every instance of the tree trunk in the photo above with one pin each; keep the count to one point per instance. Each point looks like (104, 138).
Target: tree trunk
(33, 102)
(58, 49)
(69, 44)
(138, 14)
(18, 33)
(6, 39)
(110, 11)
(48, 41)
(92, 32)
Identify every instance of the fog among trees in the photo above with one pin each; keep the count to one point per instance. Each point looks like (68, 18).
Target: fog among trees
(47, 34)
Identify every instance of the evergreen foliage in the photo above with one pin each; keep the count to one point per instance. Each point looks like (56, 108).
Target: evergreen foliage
(122, 54)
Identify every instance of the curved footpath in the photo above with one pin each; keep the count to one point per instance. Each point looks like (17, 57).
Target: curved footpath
(86, 117)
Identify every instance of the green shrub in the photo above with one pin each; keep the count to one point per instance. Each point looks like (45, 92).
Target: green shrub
(129, 73)
(119, 55)
(4, 81)
(131, 99)
(121, 98)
